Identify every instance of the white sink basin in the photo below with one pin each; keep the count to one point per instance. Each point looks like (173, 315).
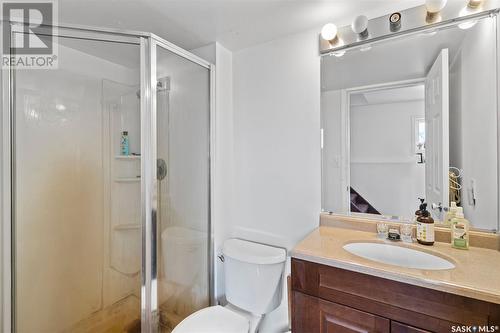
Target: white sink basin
(398, 256)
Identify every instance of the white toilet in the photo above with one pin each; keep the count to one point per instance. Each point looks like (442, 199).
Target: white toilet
(253, 279)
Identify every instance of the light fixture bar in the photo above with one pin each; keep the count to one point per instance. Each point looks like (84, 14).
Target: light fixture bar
(413, 20)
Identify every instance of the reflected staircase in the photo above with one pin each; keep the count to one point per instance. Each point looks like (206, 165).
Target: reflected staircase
(360, 204)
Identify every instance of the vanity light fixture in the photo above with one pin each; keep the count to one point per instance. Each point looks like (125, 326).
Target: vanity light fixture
(434, 8)
(360, 26)
(329, 33)
(431, 14)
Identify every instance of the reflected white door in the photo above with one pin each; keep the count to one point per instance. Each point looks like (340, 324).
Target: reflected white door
(437, 135)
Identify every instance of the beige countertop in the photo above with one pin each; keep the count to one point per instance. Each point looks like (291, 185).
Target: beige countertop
(476, 273)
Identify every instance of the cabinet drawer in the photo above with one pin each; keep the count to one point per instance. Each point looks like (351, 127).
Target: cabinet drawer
(403, 328)
(314, 315)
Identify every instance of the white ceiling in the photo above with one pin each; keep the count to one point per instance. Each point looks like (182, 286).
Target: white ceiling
(236, 24)
(391, 95)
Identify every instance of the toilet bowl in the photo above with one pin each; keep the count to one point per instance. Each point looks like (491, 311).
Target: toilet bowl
(253, 281)
(214, 319)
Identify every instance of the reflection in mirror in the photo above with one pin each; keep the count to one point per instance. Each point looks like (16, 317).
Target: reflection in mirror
(413, 117)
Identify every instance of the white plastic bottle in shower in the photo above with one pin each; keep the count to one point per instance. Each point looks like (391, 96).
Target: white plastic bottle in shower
(124, 144)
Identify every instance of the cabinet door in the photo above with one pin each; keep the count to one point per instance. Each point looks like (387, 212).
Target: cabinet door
(314, 315)
(403, 328)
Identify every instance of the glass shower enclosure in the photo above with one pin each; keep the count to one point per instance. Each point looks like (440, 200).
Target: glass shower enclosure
(106, 185)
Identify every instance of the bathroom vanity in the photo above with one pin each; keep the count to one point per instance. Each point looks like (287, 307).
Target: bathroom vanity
(405, 114)
(334, 290)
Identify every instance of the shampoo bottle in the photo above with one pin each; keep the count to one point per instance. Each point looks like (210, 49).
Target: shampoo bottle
(460, 230)
(124, 144)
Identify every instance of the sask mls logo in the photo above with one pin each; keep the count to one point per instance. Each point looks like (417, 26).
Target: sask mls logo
(474, 329)
(28, 34)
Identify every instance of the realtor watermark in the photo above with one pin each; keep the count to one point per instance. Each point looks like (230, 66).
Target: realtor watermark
(29, 34)
(474, 329)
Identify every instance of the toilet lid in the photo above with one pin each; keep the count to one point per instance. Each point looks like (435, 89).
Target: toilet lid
(214, 319)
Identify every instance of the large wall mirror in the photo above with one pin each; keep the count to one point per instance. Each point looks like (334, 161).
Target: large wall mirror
(412, 117)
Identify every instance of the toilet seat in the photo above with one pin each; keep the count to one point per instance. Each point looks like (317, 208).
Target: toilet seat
(214, 319)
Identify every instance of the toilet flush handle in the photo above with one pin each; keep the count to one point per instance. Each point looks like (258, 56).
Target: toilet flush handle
(221, 257)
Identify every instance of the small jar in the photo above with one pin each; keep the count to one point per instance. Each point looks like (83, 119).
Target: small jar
(407, 232)
(382, 230)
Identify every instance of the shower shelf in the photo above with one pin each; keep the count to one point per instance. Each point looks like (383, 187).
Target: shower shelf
(127, 179)
(130, 226)
(128, 157)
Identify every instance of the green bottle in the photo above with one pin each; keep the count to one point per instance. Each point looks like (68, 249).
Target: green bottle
(460, 230)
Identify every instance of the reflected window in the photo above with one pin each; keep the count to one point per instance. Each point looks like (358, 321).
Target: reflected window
(419, 126)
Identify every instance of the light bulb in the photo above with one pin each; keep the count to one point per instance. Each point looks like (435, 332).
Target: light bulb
(329, 32)
(474, 3)
(360, 25)
(435, 6)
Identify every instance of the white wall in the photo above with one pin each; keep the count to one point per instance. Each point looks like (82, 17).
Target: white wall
(267, 156)
(383, 163)
(276, 139)
(276, 126)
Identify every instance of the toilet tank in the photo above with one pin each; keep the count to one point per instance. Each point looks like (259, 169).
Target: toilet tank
(253, 275)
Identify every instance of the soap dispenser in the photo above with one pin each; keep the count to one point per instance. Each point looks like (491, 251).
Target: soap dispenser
(419, 211)
(425, 226)
(460, 230)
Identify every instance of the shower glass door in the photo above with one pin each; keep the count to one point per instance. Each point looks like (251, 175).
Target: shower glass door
(183, 224)
(76, 190)
(110, 186)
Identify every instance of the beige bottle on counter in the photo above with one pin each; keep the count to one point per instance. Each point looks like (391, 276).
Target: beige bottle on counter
(450, 214)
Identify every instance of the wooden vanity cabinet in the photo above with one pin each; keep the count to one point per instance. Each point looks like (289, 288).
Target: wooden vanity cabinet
(328, 299)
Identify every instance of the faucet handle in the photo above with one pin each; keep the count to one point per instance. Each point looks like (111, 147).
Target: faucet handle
(438, 206)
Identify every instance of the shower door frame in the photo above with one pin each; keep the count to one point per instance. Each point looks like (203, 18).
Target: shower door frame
(148, 43)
